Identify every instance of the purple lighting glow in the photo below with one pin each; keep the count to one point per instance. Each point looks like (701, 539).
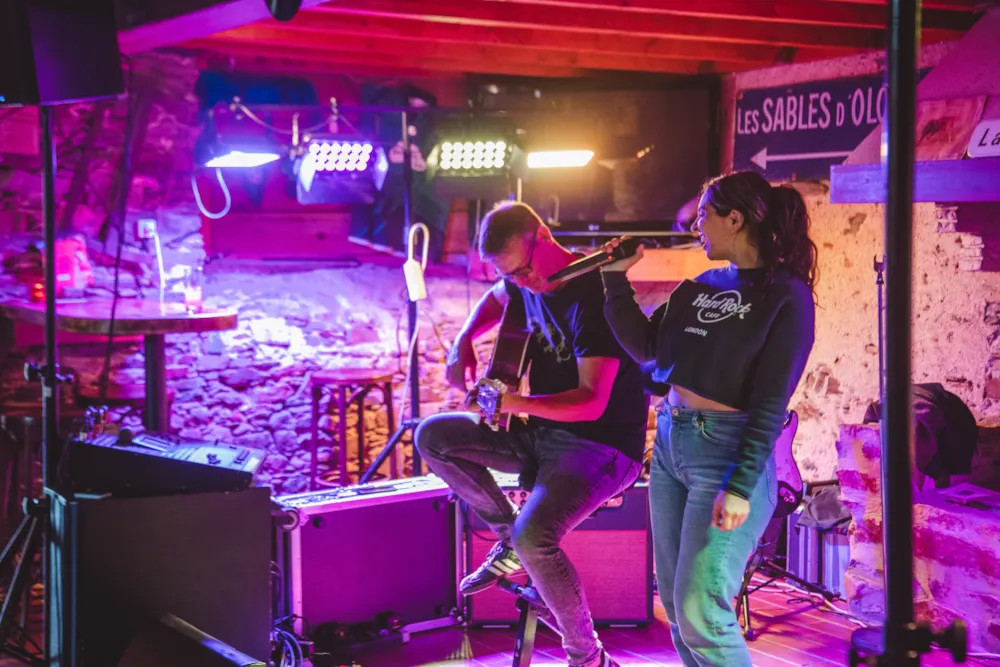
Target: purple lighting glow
(340, 156)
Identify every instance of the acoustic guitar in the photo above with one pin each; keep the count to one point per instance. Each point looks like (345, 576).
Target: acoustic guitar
(790, 485)
(506, 367)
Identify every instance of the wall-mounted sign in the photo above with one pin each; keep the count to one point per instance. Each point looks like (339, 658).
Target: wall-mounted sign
(800, 130)
(985, 141)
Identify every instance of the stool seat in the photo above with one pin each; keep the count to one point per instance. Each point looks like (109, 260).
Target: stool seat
(349, 376)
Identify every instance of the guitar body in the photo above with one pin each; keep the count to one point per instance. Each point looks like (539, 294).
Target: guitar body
(507, 365)
(790, 484)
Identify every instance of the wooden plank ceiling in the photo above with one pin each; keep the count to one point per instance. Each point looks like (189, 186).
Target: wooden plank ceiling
(571, 38)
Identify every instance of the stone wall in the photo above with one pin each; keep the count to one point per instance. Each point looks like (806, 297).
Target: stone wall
(956, 546)
(249, 385)
(955, 331)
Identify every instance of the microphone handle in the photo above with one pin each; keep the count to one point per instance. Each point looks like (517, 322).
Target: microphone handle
(627, 246)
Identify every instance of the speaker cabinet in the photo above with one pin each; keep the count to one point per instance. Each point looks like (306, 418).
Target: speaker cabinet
(362, 553)
(612, 551)
(204, 558)
(58, 51)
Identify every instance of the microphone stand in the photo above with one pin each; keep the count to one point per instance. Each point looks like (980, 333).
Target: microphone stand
(903, 641)
(412, 316)
(879, 283)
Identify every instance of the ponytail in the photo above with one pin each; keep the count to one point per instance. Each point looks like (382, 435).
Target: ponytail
(786, 243)
(775, 219)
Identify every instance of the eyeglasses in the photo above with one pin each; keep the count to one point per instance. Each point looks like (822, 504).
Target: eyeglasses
(523, 271)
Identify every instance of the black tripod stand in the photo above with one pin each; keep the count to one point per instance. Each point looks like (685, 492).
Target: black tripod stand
(30, 538)
(763, 561)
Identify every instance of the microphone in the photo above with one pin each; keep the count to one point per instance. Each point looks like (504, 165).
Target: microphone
(627, 246)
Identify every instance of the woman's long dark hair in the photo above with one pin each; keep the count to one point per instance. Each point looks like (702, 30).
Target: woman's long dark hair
(775, 218)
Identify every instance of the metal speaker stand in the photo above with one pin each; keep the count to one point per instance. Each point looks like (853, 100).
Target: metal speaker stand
(903, 640)
(32, 534)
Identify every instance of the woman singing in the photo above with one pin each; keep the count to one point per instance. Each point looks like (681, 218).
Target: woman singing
(732, 345)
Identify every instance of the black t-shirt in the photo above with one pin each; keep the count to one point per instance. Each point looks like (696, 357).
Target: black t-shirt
(567, 325)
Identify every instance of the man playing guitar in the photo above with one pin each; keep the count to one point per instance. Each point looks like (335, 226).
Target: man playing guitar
(584, 437)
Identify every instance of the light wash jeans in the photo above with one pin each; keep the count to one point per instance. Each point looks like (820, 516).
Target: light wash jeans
(573, 477)
(699, 568)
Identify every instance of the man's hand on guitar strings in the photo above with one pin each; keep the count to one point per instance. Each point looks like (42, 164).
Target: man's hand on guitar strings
(461, 363)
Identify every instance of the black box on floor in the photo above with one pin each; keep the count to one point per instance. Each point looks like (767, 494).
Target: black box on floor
(204, 558)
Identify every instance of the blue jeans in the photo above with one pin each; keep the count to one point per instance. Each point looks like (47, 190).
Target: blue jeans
(573, 478)
(699, 568)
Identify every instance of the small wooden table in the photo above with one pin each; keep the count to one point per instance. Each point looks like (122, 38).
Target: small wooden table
(133, 317)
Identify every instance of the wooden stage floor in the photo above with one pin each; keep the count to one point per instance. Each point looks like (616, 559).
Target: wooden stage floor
(793, 631)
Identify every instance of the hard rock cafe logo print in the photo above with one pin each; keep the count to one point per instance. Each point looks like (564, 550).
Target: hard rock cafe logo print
(721, 306)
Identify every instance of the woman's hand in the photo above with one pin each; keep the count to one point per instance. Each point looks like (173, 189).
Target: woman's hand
(730, 511)
(621, 264)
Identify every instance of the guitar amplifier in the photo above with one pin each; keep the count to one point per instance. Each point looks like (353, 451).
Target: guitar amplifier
(819, 557)
(612, 551)
(362, 554)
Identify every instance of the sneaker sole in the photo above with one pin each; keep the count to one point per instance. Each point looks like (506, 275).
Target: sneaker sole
(472, 590)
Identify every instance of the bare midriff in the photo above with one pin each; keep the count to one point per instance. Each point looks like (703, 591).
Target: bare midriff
(679, 397)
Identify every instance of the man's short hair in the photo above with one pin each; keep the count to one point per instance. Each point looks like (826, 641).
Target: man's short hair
(506, 221)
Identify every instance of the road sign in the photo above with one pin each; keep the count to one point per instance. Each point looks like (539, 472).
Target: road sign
(799, 130)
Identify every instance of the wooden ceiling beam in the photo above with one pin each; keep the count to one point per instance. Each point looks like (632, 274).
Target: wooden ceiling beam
(333, 62)
(548, 38)
(214, 60)
(486, 55)
(592, 19)
(821, 12)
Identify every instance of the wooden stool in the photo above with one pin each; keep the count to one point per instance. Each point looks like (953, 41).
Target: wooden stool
(351, 385)
(21, 423)
(531, 606)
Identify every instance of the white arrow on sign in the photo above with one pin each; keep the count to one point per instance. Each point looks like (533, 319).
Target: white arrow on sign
(761, 158)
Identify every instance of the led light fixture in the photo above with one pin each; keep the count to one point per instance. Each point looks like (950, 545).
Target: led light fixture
(473, 165)
(339, 170)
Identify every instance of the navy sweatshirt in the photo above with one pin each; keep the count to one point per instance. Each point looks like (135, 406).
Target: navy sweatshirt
(730, 337)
